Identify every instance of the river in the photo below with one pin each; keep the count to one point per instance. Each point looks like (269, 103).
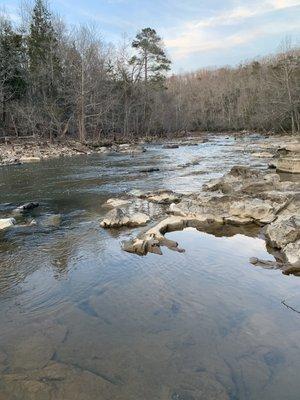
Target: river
(80, 319)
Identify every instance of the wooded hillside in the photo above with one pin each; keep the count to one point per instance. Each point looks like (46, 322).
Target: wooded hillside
(58, 82)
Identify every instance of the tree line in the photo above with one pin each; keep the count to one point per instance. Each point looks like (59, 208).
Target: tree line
(57, 82)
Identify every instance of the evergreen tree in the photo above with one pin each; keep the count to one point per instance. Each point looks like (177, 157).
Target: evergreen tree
(151, 56)
(43, 47)
(12, 66)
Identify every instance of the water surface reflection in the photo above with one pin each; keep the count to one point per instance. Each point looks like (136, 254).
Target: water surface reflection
(80, 319)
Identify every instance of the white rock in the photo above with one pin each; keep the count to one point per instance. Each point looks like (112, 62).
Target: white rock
(117, 202)
(283, 231)
(292, 252)
(289, 164)
(117, 218)
(257, 209)
(30, 159)
(7, 223)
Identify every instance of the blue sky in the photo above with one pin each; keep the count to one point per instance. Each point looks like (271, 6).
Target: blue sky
(197, 33)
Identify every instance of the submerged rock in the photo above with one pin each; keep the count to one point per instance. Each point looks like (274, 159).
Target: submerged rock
(52, 220)
(32, 353)
(170, 146)
(7, 223)
(266, 264)
(26, 207)
(118, 218)
(148, 170)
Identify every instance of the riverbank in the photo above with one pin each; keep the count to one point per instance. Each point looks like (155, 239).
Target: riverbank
(241, 198)
(19, 151)
(213, 310)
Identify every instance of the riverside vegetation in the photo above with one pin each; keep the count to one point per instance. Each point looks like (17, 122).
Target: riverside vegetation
(58, 82)
(80, 318)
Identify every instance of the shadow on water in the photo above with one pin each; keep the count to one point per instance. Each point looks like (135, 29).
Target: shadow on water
(80, 319)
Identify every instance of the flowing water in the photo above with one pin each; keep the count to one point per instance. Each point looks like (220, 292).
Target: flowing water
(80, 319)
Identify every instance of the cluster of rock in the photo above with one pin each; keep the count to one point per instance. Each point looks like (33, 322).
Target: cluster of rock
(242, 197)
(126, 148)
(21, 217)
(20, 153)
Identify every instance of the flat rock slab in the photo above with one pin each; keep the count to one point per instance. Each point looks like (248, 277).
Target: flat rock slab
(30, 159)
(289, 164)
(116, 202)
(118, 218)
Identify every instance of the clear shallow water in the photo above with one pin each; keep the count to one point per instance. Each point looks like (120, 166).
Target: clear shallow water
(80, 319)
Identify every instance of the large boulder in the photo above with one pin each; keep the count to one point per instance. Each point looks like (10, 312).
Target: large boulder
(263, 211)
(289, 164)
(283, 231)
(238, 177)
(292, 252)
(7, 223)
(117, 218)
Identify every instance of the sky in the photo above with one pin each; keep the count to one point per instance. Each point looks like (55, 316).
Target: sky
(196, 33)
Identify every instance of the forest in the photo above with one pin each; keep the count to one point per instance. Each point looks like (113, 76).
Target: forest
(58, 81)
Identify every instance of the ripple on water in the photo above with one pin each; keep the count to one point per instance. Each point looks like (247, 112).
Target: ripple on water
(79, 317)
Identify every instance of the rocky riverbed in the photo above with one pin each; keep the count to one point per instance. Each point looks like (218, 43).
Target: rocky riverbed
(16, 153)
(241, 198)
(81, 318)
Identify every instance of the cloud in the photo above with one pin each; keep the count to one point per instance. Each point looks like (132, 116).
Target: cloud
(206, 34)
(237, 14)
(10, 11)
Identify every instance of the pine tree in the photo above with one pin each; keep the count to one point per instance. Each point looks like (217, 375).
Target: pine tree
(12, 66)
(151, 56)
(42, 47)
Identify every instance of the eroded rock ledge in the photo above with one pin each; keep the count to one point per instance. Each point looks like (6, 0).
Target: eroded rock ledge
(242, 197)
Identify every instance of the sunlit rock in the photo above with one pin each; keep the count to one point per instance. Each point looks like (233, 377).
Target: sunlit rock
(176, 210)
(289, 164)
(283, 231)
(117, 218)
(292, 252)
(262, 155)
(153, 239)
(162, 197)
(7, 223)
(116, 202)
(255, 209)
(30, 159)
